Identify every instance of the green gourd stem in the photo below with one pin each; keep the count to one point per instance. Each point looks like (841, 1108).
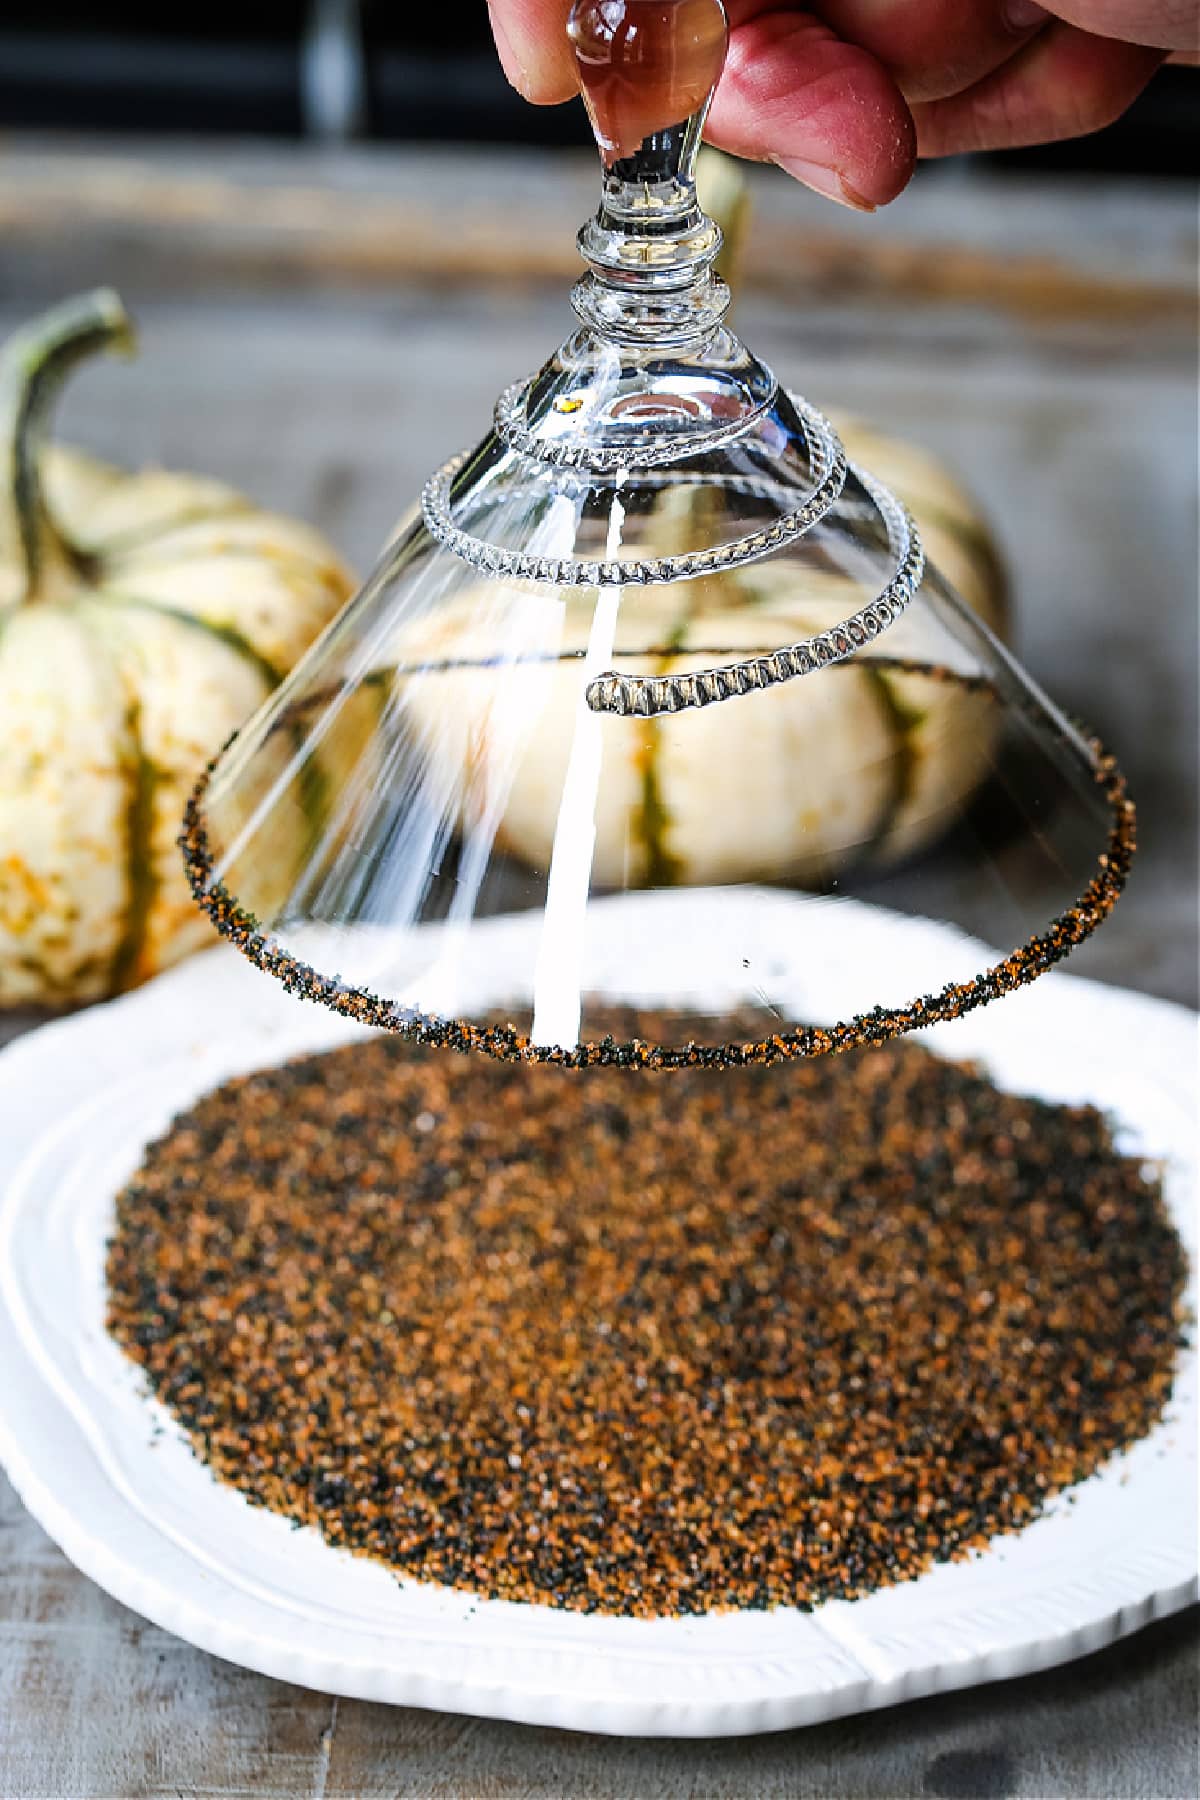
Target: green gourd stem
(33, 365)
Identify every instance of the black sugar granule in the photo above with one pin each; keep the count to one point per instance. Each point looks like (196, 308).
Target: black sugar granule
(647, 1344)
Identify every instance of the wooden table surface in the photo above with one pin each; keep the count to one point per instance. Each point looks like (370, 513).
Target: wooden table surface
(322, 329)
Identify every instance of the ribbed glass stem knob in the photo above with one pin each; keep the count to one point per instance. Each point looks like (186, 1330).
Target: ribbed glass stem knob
(647, 69)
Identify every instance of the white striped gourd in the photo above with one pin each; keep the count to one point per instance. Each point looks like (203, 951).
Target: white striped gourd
(143, 616)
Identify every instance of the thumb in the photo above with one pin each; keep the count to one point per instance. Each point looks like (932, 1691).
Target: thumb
(531, 38)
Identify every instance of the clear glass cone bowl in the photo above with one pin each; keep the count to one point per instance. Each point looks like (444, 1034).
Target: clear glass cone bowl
(655, 635)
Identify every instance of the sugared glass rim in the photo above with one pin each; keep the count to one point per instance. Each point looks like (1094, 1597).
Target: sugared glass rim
(1034, 957)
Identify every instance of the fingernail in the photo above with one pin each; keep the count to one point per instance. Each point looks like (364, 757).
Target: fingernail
(1024, 15)
(825, 181)
(510, 62)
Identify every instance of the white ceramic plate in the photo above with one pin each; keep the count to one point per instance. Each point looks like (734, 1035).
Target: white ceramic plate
(108, 1474)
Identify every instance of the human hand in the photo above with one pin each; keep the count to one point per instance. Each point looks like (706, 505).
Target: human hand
(846, 94)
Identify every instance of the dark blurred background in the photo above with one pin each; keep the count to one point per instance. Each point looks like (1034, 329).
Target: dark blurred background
(380, 69)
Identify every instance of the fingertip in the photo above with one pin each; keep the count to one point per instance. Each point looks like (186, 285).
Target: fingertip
(824, 181)
(829, 113)
(531, 43)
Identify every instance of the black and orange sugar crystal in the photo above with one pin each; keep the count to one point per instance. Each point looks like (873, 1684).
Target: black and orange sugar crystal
(644, 1344)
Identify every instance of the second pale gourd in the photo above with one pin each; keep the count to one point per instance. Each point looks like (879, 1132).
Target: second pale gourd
(889, 747)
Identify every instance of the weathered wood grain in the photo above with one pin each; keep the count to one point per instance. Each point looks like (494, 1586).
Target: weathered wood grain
(372, 219)
(327, 380)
